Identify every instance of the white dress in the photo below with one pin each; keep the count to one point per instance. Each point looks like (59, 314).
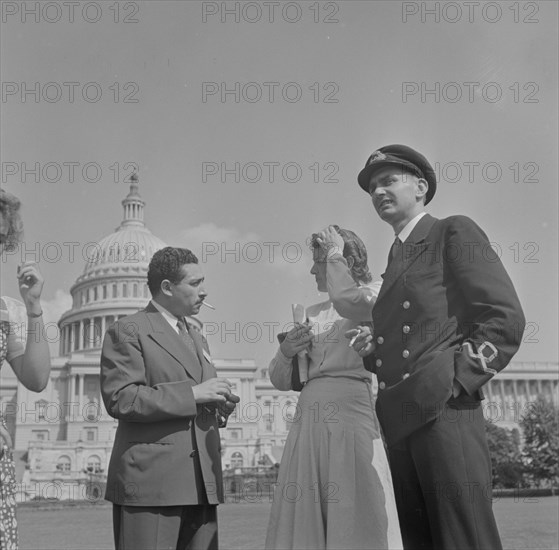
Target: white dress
(334, 486)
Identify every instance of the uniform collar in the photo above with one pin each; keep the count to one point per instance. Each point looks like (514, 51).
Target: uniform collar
(409, 227)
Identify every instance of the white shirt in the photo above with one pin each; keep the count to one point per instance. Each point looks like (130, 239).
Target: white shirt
(169, 317)
(405, 233)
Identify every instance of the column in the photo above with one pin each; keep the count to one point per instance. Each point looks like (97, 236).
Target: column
(528, 392)
(516, 403)
(67, 339)
(80, 392)
(71, 396)
(103, 326)
(91, 333)
(80, 341)
(503, 407)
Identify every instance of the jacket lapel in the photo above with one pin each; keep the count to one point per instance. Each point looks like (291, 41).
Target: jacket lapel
(208, 370)
(164, 335)
(411, 250)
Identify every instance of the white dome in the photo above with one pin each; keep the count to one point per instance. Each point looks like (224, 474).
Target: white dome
(129, 247)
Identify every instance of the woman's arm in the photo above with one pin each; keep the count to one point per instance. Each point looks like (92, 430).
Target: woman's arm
(32, 367)
(280, 370)
(350, 299)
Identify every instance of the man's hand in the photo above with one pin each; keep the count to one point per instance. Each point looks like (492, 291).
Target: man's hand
(214, 390)
(299, 338)
(361, 340)
(225, 409)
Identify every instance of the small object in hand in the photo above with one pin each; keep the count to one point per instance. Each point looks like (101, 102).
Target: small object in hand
(352, 341)
(29, 279)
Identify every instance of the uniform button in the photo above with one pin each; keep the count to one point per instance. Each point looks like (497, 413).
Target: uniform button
(406, 329)
(405, 354)
(382, 385)
(193, 453)
(380, 340)
(407, 375)
(406, 305)
(378, 362)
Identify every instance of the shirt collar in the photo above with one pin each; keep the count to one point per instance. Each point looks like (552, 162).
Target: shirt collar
(169, 317)
(405, 233)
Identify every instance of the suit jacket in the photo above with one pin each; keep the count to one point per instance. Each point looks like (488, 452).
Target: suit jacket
(446, 310)
(167, 448)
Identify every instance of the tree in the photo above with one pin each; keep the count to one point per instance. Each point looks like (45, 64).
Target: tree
(506, 458)
(540, 426)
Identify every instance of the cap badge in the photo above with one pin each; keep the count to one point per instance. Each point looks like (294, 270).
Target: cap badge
(377, 155)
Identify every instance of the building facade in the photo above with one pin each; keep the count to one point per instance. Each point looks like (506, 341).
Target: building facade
(63, 436)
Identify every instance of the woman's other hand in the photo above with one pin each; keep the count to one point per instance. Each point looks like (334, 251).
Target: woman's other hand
(298, 339)
(30, 280)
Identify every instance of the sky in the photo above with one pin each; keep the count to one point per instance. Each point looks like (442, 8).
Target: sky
(248, 123)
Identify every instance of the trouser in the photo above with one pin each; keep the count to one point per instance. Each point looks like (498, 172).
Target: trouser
(442, 483)
(192, 527)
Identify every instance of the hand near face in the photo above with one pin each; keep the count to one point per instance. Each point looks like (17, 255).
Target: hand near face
(361, 340)
(298, 339)
(31, 283)
(330, 241)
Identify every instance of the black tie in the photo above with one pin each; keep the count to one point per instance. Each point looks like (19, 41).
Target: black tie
(395, 257)
(396, 250)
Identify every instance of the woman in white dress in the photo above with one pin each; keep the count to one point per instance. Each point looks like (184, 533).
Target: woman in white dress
(334, 487)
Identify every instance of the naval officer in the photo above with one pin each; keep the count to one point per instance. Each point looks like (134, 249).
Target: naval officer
(446, 320)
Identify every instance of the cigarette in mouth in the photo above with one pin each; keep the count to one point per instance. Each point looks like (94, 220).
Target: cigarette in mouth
(208, 305)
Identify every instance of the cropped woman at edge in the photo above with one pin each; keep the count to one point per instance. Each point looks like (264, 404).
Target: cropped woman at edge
(28, 356)
(334, 487)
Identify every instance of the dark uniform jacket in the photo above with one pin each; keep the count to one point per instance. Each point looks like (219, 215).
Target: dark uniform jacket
(446, 310)
(167, 448)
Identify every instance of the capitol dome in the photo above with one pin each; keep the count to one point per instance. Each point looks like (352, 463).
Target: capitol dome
(132, 244)
(114, 280)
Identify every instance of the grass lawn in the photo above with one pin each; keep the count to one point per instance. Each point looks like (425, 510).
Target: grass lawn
(525, 523)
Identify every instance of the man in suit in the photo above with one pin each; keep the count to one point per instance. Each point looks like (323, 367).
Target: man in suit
(446, 320)
(157, 379)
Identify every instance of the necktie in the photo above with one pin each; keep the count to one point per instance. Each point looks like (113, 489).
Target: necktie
(395, 258)
(185, 336)
(396, 250)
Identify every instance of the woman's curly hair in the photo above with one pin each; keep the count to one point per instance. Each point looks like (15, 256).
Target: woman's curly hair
(11, 220)
(354, 247)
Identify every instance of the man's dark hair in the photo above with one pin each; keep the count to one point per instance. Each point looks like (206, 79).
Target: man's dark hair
(166, 264)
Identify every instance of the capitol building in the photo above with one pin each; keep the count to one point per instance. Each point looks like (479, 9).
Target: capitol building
(63, 436)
